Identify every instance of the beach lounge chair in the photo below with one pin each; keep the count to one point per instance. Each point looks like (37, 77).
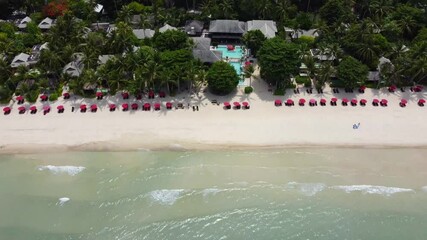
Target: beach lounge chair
(7, 110)
(421, 102)
(227, 105)
(375, 102)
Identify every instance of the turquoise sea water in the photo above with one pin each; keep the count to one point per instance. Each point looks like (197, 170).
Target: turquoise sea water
(251, 194)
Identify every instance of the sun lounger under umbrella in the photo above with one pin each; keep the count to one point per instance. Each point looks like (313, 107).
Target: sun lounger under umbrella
(313, 102)
(21, 109)
(289, 102)
(112, 107)
(20, 99)
(99, 95)
(125, 95)
(93, 108)
(354, 102)
(66, 95)
(46, 109)
(421, 102)
(384, 102)
(245, 105)
(146, 107)
(236, 105)
(134, 106)
(375, 102)
(362, 89)
(6, 110)
(83, 108)
(151, 94)
(162, 94)
(301, 101)
(278, 102)
(227, 105)
(60, 109)
(403, 102)
(392, 88)
(125, 106)
(33, 109)
(168, 105)
(344, 101)
(157, 106)
(44, 97)
(363, 102)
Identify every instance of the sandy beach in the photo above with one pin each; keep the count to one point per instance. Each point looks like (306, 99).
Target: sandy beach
(263, 125)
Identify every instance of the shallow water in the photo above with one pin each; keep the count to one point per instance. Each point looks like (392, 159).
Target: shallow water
(307, 193)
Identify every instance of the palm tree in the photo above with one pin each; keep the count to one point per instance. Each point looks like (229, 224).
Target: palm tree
(325, 73)
(264, 8)
(419, 69)
(125, 14)
(248, 72)
(367, 52)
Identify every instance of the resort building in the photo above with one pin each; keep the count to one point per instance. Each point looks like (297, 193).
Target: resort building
(226, 31)
(143, 33)
(193, 27)
(22, 24)
(307, 33)
(166, 27)
(203, 52)
(20, 60)
(103, 59)
(322, 56)
(74, 68)
(267, 27)
(46, 23)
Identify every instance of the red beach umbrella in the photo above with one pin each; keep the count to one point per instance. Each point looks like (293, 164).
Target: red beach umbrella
(245, 104)
(362, 87)
(168, 104)
(404, 101)
(322, 100)
(7, 109)
(363, 101)
(19, 98)
(33, 108)
(93, 107)
(345, 100)
(125, 105)
(226, 104)
(354, 101)
(230, 47)
(66, 94)
(312, 101)
(125, 94)
(112, 105)
(43, 97)
(334, 99)
(46, 107)
(375, 101)
(134, 106)
(157, 105)
(60, 107)
(147, 105)
(422, 101)
(236, 104)
(302, 100)
(83, 106)
(384, 101)
(22, 108)
(420, 87)
(99, 94)
(278, 102)
(289, 101)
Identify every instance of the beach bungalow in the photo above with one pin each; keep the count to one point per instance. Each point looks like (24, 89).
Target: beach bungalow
(226, 31)
(166, 27)
(203, 52)
(308, 33)
(74, 68)
(46, 23)
(20, 60)
(193, 27)
(321, 56)
(22, 24)
(103, 59)
(267, 27)
(143, 33)
(36, 51)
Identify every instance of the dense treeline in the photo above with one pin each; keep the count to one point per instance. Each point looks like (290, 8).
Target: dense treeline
(356, 33)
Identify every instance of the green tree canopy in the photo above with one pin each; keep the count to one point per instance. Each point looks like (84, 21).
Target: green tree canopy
(253, 40)
(278, 60)
(222, 78)
(171, 40)
(336, 11)
(351, 72)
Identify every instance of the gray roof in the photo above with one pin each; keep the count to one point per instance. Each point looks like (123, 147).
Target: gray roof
(74, 68)
(322, 56)
(20, 59)
(202, 51)
(166, 27)
(193, 27)
(227, 26)
(100, 26)
(373, 76)
(46, 23)
(267, 27)
(309, 33)
(102, 59)
(143, 33)
(23, 23)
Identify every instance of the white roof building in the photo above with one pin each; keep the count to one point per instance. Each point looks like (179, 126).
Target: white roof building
(143, 33)
(166, 27)
(46, 23)
(267, 27)
(20, 60)
(23, 23)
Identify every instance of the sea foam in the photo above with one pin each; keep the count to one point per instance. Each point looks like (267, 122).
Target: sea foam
(166, 196)
(370, 189)
(70, 170)
(308, 189)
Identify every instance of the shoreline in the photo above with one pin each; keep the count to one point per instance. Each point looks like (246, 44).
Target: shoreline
(263, 126)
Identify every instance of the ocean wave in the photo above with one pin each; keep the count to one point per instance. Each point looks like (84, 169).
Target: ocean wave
(308, 189)
(70, 170)
(166, 196)
(370, 189)
(62, 201)
(210, 191)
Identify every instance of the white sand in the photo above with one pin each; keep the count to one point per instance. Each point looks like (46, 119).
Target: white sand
(264, 125)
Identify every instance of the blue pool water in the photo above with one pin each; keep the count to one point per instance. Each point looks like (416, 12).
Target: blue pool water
(236, 53)
(237, 67)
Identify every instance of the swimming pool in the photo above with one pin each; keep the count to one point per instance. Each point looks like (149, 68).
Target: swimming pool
(236, 53)
(237, 67)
